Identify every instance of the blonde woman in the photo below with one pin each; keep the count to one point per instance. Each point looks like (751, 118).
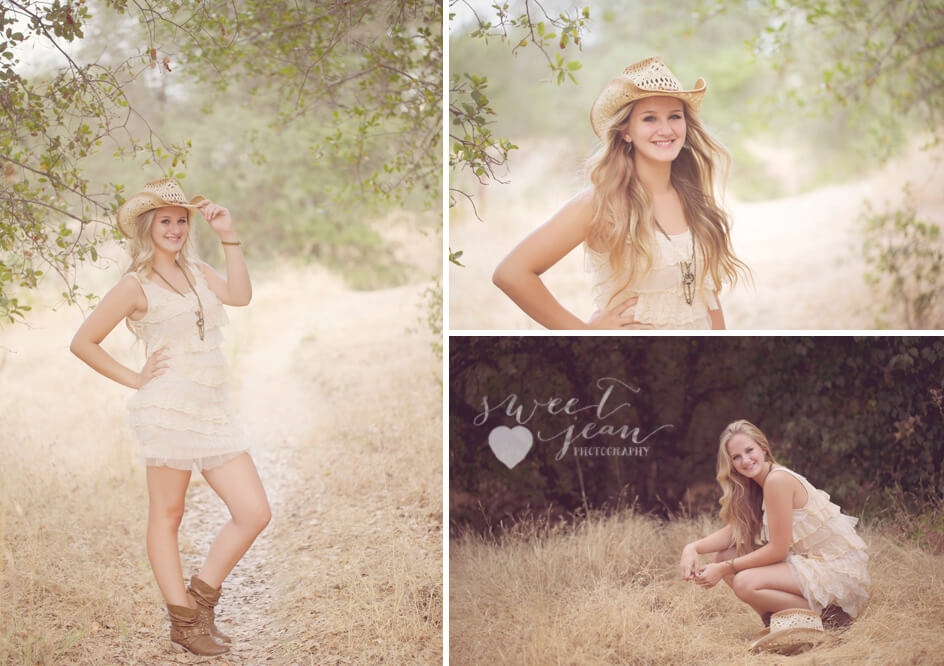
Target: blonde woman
(784, 544)
(655, 237)
(180, 412)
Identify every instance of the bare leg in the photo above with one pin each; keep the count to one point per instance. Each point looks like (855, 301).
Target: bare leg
(769, 589)
(238, 485)
(167, 490)
(730, 554)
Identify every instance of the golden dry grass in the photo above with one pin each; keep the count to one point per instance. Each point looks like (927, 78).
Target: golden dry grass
(607, 591)
(343, 407)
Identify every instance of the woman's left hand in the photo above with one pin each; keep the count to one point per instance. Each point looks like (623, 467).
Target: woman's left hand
(218, 218)
(711, 574)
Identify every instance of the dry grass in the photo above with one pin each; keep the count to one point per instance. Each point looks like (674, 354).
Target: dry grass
(344, 410)
(607, 591)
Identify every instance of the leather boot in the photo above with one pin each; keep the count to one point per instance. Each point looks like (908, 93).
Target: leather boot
(206, 598)
(189, 633)
(834, 617)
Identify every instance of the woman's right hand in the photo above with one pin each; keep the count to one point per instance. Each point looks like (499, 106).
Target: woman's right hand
(689, 564)
(153, 367)
(615, 317)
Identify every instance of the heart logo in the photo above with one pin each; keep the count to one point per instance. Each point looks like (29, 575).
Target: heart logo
(510, 445)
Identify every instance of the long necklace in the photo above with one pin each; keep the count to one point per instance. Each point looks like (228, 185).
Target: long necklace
(687, 267)
(199, 310)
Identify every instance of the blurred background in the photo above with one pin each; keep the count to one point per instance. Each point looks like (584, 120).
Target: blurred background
(831, 112)
(861, 418)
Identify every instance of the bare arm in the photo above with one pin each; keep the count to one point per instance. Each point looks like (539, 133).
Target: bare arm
(519, 274)
(778, 496)
(713, 543)
(125, 299)
(717, 317)
(236, 287)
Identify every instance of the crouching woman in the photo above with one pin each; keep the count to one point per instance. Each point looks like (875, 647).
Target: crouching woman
(784, 544)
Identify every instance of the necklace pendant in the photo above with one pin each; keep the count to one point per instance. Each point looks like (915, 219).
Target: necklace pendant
(688, 281)
(200, 325)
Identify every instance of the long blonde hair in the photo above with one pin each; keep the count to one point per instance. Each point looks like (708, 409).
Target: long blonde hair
(741, 497)
(622, 213)
(141, 245)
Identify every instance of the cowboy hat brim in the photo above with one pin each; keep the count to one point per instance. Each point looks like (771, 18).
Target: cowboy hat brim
(141, 203)
(621, 91)
(788, 641)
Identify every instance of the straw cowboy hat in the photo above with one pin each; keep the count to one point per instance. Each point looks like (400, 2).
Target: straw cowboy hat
(156, 194)
(791, 631)
(646, 78)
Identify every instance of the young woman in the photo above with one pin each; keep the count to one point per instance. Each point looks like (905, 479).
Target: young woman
(654, 235)
(784, 545)
(180, 413)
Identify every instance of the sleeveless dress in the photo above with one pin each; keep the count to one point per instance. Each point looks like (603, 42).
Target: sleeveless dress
(661, 303)
(827, 558)
(183, 418)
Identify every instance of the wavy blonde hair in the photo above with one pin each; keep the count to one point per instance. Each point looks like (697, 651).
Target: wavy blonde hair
(623, 225)
(141, 245)
(741, 497)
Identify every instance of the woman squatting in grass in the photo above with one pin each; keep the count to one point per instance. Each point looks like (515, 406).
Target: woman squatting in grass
(784, 544)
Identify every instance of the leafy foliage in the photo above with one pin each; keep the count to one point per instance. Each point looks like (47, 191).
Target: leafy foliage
(473, 145)
(348, 95)
(905, 256)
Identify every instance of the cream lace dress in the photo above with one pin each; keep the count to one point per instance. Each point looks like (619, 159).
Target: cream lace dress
(827, 557)
(661, 303)
(183, 418)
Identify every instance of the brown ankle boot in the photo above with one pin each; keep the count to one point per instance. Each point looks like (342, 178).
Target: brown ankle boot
(206, 598)
(188, 632)
(834, 617)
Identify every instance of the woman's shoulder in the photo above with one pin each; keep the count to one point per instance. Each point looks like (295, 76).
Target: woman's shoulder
(131, 282)
(198, 265)
(130, 290)
(788, 480)
(581, 205)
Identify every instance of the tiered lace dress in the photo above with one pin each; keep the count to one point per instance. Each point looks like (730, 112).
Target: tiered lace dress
(827, 557)
(661, 303)
(183, 418)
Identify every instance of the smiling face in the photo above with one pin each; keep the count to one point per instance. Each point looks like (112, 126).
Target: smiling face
(170, 228)
(657, 128)
(748, 457)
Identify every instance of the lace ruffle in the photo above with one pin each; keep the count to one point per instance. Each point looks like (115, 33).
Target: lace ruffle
(187, 464)
(661, 302)
(186, 438)
(660, 308)
(183, 418)
(827, 557)
(843, 581)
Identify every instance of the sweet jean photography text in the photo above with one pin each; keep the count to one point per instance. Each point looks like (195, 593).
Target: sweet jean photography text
(605, 417)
